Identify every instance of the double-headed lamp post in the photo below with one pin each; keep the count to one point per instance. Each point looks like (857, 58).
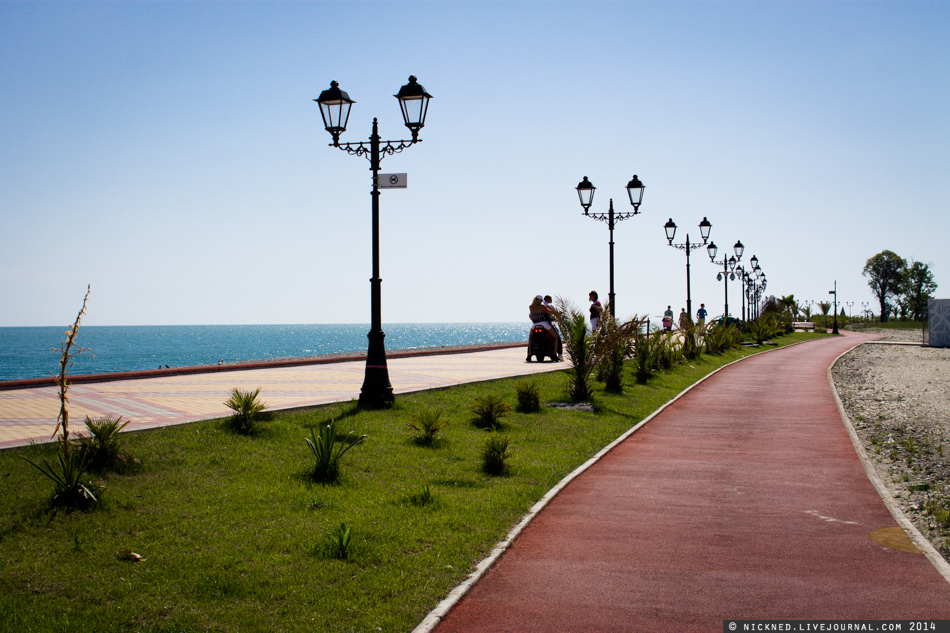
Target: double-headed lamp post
(585, 191)
(335, 109)
(704, 228)
(728, 268)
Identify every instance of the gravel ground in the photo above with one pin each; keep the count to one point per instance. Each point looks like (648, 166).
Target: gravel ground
(898, 398)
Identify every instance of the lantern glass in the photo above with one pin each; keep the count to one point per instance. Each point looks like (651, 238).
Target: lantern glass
(335, 108)
(414, 102)
(704, 228)
(635, 191)
(712, 249)
(585, 191)
(732, 263)
(670, 228)
(739, 248)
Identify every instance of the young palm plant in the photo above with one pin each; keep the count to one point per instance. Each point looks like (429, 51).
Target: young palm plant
(579, 346)
(246, 408)
(645, 355)
(489, 410)
(529, 397)
(426, 424)
(613, 343)
(102, 446)
(495, 455)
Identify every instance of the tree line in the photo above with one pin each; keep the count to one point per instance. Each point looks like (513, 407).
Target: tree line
(902, 288)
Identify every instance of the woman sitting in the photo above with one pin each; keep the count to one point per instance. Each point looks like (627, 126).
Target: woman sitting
(542, 314)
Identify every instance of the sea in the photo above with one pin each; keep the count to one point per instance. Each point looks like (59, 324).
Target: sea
(33, 352)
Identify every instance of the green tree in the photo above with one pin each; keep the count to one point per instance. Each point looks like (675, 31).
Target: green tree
(917, 289)
(885, 272)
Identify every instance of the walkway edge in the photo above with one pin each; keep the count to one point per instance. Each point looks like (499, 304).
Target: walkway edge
(922, 543)
(435, 616)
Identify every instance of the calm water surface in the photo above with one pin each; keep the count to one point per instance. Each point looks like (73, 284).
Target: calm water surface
(27, 352)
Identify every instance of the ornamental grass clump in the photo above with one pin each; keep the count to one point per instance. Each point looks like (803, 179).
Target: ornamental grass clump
(327, 449)
(72, 488)
(489, 410)
(495, 455)
(247, 409)
(426, 424)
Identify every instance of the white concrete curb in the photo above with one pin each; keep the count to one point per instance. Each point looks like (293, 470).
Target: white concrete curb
(918, 539)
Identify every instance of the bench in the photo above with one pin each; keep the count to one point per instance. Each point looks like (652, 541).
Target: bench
(803, 325)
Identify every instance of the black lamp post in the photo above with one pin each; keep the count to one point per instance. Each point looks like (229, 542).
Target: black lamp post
(834, 292)
(704, 228)
(335, 109)
(585, 191)
(728, 269)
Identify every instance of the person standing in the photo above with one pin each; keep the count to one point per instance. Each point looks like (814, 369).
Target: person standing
(701, 314)
(668, 319)
(595, 311)
(685, 323)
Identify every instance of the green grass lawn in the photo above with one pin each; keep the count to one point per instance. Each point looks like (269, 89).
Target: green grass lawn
(236, 538)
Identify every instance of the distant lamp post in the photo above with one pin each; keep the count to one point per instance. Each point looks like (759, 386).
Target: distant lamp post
(585, 192)
(835, 293)
(335, 107)
(704, 228)
(864, 309)
(728, 269)
(850, 305)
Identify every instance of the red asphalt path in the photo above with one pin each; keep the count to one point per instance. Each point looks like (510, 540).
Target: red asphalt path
(744, 499)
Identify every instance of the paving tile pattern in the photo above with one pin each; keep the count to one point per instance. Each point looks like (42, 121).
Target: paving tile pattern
(30, 414)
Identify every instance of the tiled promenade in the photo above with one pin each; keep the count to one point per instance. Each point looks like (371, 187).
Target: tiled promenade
(30, 414)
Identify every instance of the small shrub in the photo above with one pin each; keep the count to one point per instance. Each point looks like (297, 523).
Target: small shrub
(529, 397)
(340, 542)
(246, 408)
(427, 424)
(721, 338)
(327, 450)
(103, 447)
(495, 454)
(423, 498)
(489, 410)
(69, 473)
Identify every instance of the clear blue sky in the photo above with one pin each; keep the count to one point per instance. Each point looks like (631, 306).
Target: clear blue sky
(170, 154)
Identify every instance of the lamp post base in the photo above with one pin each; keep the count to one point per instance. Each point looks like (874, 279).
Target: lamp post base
(377, 391)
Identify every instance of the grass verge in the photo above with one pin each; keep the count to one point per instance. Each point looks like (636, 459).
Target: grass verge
(235, 536)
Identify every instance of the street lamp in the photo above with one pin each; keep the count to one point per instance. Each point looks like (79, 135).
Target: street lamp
(864, 309)
(335, 107)
(728, 268)
(850, 305)
(585, 192)
(704, 228)
(835, 293)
